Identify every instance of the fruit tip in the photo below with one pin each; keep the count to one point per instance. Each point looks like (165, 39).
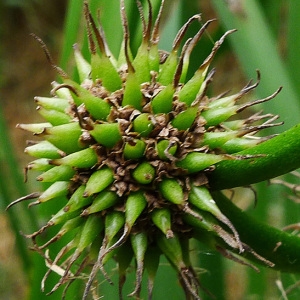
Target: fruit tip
(169, 234)
(85, 213)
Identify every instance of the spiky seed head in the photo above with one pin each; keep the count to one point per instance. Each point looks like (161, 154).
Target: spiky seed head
(128, 148)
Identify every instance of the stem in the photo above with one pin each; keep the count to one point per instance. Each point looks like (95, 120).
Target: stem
(280, 155)
(279, 247)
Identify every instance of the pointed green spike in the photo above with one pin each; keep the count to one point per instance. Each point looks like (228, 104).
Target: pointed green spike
(190, 46)
(57, 189)
(185, 119)
(83, 67)
(217, 139)
(201, 198)
(106, 134)
(65, 137)
(197, 161)
(96, 106)
(113, 227)
(152, 257)
(224, 101)
(98, 181)
(141, 64)
(215, 116)
(154, 58)
(171, 190)
(44, 149)
(102, 201)
(134, 206)
(167, 69)
(209, 231)
(41, 164)
(207, 223)
(239, 144)
(92, 228)
(54, 117)
(139, 243)
(104, 70)
(77, 200)
(234, 124)
(171, 249)
(114, 221)
(61, 92)
(161, 217)
(189, 91)
(58, 173)
(132, 92)
(62, 216)
(54, 103)
(35, 128)
(123, 257)
(68, 226)
(163, 101)
(86, 158)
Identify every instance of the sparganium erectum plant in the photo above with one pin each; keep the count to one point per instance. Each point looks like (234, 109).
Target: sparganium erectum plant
(133, 152)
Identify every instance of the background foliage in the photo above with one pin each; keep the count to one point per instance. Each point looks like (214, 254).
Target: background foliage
(267, 39)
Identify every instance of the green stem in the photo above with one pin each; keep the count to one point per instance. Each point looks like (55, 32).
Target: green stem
(279, 247)
(280, 155)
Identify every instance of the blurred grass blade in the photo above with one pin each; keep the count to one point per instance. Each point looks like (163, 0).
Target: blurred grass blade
(110, 20)
(256, 48)
(170, 28)
(273, 12)
(71, 30)
(20, 217)
(293, 43)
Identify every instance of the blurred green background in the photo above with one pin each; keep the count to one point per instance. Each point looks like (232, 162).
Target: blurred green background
(267, 39)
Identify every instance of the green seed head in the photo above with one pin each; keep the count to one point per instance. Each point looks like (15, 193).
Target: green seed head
(127, 150)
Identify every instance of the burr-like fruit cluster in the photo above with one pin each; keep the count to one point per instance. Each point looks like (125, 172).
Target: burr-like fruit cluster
(127, 150)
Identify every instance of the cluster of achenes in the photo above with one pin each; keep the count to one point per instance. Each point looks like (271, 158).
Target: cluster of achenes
(127, 150)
